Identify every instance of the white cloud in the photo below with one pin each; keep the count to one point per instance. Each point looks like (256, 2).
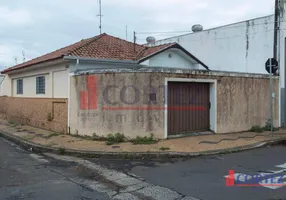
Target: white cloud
(14, 17)
(42, 26)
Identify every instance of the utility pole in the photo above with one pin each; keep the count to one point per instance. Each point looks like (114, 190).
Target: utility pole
(271, 98)
(100, 16)
(276, 27)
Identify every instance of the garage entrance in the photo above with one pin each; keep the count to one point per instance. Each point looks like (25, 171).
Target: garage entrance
(188, 107)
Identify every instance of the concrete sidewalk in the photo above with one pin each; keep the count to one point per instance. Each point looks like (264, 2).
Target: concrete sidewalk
(195, 144)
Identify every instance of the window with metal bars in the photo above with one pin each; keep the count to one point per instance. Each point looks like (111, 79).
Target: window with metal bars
(20, 86)
(41, 85)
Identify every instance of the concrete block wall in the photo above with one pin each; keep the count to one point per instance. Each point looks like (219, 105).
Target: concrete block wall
(242, 101)
(35, 112)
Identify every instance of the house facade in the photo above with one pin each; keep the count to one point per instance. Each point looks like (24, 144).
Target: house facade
(108, 85)
(242, 47)
(37, 92)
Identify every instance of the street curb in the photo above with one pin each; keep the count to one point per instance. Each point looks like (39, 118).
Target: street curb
(37, 148)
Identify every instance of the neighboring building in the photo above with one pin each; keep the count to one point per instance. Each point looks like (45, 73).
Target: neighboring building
(241, 47)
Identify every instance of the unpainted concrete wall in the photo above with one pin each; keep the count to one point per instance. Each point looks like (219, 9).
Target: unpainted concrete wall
(34, 112)
(112, 115)
(241, 102)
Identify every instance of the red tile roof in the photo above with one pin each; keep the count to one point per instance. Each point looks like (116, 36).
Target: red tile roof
(101, 46)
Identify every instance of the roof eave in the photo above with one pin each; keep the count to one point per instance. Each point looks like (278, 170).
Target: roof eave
(38, 64)
(100, 60)
(176, 45)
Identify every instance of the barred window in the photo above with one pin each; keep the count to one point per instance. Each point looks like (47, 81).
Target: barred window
(20, 86)
(40, 85)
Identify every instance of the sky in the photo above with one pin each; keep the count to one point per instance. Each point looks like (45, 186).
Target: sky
(36, 27)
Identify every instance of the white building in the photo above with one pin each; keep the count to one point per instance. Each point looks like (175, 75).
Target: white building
(241, 47)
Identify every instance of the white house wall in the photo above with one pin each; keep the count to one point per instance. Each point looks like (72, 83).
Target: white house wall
(29, 87)
(240, 47)
(56, 80)
(172, 58)
(5, 87)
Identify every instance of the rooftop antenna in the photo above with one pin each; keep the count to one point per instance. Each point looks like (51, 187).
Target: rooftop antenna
(24, 56)
(16, 60)
(134, 41)
(126, 32)
(100, 17)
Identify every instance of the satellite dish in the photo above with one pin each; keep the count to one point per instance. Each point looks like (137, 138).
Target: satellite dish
(197, 28)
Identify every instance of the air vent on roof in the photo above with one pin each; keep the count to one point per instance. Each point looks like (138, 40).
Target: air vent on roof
(197, 28)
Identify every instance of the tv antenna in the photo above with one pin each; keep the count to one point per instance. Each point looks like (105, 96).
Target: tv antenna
(24, 56)
(16, 60)
(100, 17)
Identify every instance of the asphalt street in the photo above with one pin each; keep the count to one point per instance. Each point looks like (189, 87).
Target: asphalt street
(204, 177)
(27, 176)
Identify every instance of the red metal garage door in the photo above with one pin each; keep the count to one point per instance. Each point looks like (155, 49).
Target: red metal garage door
(188, 107)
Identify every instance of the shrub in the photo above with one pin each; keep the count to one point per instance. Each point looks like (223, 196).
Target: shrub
(144, 140)
(97, 137)
(256, 129)
(50, 117)
(115, 139)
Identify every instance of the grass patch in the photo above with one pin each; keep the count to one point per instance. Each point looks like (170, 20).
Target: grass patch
(98, 137)
(259, 129)
(144, 140)
(51, 135)
(28, 137)
(256, 129)
(61, 151)
(51, 144)
(115, 139)
(94, 137)
(164, 148)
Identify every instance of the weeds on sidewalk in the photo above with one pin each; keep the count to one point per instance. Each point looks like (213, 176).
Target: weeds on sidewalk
(259, 129)
(115, 139)
(164, 148)
(94, 137)
(61, 151)
(51, 135)
(144, 140)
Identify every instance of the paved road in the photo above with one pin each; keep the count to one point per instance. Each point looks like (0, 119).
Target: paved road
(24, 175)
(203, 178)
(31, 177)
